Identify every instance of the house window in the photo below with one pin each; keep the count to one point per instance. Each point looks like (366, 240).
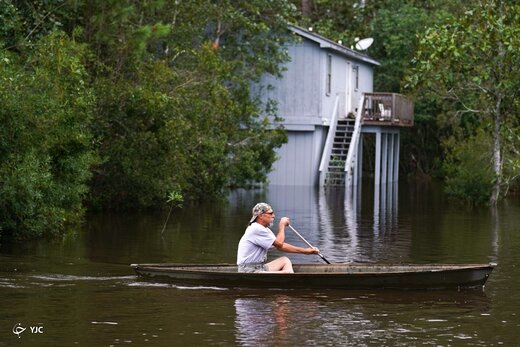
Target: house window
(355, 69)
(329, 75)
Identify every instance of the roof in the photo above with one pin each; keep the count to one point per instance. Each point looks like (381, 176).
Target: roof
(329, 44)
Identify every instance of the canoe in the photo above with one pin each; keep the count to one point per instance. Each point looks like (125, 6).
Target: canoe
(326, 276)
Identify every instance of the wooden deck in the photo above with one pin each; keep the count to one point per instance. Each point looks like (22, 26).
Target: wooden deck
(388, 109)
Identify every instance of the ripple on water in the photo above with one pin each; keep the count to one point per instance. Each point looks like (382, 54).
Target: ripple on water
(61, 277)
(169, 285)
(9, 283)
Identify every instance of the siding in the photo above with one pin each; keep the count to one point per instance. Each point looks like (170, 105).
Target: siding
(297, 92)
(305, 106)
(299, 159)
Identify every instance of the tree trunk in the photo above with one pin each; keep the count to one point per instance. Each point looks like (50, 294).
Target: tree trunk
(497, 154)
(497, 150)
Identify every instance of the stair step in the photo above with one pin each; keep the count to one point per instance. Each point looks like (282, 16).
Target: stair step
(335, 175)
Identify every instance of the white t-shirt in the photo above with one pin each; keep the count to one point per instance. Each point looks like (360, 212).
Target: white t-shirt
(254, 244)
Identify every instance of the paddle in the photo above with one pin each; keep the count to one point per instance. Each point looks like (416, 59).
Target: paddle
(303, 239)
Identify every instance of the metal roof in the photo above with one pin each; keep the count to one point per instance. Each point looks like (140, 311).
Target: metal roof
(334, 46)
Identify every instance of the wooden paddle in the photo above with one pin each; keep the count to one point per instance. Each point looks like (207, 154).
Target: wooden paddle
(308, 244)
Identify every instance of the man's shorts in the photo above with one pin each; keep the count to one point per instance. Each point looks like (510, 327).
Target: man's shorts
(253, 267)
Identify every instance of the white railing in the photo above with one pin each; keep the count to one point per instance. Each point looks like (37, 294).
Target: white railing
(325, 157)
(353, 147)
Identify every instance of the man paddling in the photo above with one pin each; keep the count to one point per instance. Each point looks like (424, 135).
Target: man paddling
(258, 238)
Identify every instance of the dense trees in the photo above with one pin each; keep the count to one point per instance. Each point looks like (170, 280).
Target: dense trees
(117, 104)
(395, 26)
(460, 60)
(45, 142)
(172, 83)
(470, 64)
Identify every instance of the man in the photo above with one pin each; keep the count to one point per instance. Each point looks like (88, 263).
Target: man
(258, 238)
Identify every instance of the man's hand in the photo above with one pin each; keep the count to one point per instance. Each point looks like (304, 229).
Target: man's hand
(312, 250)
(285, 221)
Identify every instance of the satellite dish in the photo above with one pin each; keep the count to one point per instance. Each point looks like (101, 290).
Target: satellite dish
(362, 45)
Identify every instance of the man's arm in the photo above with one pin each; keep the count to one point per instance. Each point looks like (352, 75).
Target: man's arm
(280, 237)
(280, 244)
(287, 247)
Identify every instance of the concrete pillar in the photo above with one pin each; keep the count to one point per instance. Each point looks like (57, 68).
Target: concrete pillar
(391, 157)
(377, 168)
(384, 158)
(358, 170)
(396, 156)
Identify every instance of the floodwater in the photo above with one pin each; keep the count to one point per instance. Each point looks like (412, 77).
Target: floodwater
(82, 291)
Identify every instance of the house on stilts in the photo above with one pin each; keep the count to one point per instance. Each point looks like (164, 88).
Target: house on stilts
(327, 103)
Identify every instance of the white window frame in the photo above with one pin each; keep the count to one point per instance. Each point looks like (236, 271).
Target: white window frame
(355, 68)
(328, 77)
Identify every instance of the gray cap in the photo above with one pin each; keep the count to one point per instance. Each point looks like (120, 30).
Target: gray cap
(259, 208)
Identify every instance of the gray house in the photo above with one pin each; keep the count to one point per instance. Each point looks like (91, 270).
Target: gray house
(324, 84)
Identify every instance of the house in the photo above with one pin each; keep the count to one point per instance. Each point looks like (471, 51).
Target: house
(318, 96)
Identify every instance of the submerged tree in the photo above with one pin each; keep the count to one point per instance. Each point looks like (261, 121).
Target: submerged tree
(471, 65)
(130, 100)
(174, 107)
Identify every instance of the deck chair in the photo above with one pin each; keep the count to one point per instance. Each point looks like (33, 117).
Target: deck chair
(386, 114)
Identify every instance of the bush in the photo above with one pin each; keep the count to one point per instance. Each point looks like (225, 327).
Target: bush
(468, 170)
(45, 154)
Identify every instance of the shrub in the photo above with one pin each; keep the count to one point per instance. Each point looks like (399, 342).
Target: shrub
(469, 174)
(45, 154)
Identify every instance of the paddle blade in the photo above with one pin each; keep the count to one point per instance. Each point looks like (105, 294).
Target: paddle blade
(325, 259)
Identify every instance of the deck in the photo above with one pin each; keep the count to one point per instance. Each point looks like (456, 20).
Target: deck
(388, 109)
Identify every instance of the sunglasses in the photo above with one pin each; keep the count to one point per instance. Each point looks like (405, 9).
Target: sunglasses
(271, 213)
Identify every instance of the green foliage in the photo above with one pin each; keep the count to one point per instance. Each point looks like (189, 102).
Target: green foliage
(395, 26)
(175, 198)
(174, 104)
(469, 64)
(129, 101)
(395, 30)
(512, 159)
(468, 169)
(24, 23)
(9, 23)
(45, 154)
(421, 153)
(139, 142)
(159, 90)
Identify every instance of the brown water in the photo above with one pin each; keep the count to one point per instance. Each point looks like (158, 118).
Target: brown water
(82, 291)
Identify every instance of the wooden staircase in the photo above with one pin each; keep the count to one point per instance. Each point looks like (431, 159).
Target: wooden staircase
(335, 175)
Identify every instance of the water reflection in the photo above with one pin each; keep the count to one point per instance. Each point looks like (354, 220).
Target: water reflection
(258, 321)
(386, 206)
(80, 287)
(355, 317)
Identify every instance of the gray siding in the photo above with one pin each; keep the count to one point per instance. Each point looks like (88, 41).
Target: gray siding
(301, 80)
(306, 107)
(299, 159)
